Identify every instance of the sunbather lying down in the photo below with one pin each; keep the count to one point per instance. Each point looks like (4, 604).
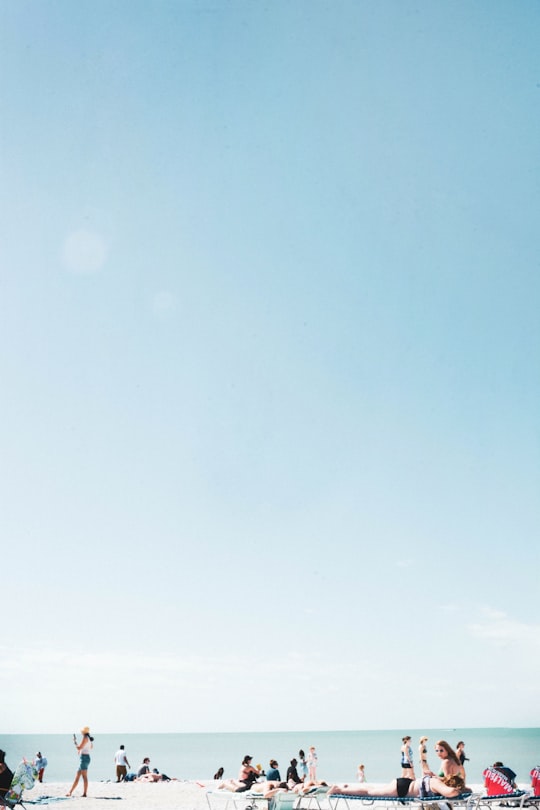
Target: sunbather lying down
(264, 788)
(405, 788)
(269, 789)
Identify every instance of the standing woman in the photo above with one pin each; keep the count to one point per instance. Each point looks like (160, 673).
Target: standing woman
(460, 751)
(407, 767)
(422, 754)
(83, 749)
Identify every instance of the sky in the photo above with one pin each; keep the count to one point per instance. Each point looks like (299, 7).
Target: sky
(270, 344)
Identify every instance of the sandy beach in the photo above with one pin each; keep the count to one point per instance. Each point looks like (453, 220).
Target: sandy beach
(135, 795)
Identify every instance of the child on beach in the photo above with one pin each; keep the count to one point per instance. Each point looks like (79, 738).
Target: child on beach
(302, 766)
(360, 774)
(312, 764)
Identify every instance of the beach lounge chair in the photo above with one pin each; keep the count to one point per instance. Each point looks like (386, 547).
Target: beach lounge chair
(314, 799)
(24, 778)
(465, 801)
(229, 800)
(249, 800)
(518, 798)
(283, 801)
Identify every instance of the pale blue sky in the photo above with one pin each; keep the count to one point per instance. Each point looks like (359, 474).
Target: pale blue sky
(270, 364)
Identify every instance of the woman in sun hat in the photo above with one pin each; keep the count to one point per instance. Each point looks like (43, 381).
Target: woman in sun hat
(83, 749)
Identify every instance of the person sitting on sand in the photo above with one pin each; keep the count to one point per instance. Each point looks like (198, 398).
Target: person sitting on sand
(145, 767)
(402, 788)
(149, 777)
(144, 774)
(272, 774)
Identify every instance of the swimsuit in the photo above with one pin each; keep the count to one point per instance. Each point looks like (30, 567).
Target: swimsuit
(425, 788)
(403, 784)
(406, 758)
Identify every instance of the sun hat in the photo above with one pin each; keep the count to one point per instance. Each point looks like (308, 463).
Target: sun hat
(85, 730)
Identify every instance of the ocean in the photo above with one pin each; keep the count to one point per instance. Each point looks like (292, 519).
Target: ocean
(198, 756)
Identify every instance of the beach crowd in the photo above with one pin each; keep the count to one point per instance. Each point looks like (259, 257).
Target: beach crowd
(448, 779)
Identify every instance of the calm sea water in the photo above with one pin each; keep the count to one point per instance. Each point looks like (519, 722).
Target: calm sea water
(198, 756)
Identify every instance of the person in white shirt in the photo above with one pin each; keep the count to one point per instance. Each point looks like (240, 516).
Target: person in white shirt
(122, 764)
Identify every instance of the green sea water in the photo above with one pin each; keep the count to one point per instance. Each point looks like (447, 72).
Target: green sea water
(198, 756)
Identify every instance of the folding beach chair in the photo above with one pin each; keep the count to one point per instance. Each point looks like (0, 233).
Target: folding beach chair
(24, 778)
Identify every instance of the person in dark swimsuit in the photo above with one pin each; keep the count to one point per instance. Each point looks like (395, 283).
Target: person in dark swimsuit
(460, 751)
(292, 773)
(422, 755)
(402, 788)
